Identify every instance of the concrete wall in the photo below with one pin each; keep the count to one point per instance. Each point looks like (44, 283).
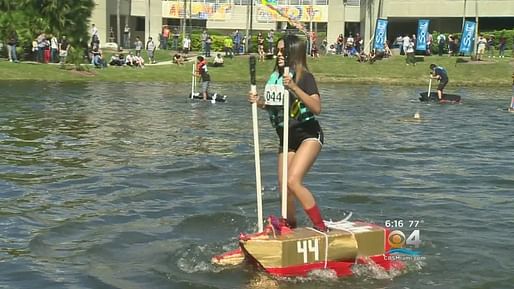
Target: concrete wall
(448, 8)
(100, 19)
(338, 15)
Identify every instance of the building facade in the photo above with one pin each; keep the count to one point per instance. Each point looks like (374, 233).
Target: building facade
(146, 17)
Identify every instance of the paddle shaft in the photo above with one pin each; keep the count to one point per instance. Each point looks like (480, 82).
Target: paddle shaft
(256, 148)
(285, 149)
(429, 87)
(193, 81)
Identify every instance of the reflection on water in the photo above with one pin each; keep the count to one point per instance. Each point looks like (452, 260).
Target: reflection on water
(132, 185)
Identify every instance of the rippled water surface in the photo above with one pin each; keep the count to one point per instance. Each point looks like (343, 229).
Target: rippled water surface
(133, 186)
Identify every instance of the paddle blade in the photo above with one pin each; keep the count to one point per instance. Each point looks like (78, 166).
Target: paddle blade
(253, 63)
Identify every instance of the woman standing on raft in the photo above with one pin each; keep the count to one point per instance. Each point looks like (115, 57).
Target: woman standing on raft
(305, 133)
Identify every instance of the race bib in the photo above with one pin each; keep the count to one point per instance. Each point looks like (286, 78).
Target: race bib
(274, 94)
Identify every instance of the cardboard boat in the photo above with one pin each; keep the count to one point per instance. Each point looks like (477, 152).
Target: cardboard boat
(299, 251)
(447, 98)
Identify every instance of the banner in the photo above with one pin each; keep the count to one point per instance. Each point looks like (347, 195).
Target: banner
(206, 11)
(380, 35)
(468, 34)
(422, 37)
(302, 13)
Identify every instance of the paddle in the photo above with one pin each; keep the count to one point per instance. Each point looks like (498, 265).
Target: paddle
(193, 81)
(429, 88)
(256, 149)
(285, 148)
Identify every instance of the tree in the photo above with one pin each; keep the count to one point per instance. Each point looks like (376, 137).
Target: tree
(29, 18)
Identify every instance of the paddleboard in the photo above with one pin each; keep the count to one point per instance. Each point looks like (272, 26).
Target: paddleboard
(447, 98)
(216, 97)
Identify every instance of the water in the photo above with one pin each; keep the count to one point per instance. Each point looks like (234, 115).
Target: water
(132, 186)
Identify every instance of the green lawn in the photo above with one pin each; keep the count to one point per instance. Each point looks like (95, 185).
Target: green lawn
(392, 71)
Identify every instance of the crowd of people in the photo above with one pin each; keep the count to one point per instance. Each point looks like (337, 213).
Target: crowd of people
(485, 45)
(350, 46)
(48, 48)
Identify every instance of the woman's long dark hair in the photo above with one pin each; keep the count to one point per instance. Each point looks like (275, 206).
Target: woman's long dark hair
(295, 50)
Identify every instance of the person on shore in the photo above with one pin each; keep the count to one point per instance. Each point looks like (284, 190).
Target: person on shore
(203, 73)
(98, 58)
(186, 46)
(12, 41)
(165, 36)
(41, 46)
(64, 47)
(481, 44)
(129, 60)
(439, 73)
(176, 35)
(54, 49)
(270, 38)
(138, 61)
(126, 36)
(138, 46)
(260, 46)
(150, 50)
(218, 61)
(178, 59)
(409, 51)
(116, 60)
(501, 46)
(227, 45)
(441, 42)
(305, 133)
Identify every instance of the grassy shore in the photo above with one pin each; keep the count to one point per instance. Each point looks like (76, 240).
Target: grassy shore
(331, 68)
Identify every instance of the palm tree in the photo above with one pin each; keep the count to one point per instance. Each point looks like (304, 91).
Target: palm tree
(70, 18)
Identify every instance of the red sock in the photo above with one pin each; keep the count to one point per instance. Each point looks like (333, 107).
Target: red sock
(315, 216)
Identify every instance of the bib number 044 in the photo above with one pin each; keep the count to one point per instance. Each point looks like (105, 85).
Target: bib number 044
(274, 94)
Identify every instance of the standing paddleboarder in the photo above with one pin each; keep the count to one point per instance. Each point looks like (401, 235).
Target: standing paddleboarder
(439, 73)
(202, 72)
(305, 133)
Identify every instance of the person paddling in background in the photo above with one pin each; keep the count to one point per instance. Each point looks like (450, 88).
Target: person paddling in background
(305, 133)
(438, 72)
(202, 72)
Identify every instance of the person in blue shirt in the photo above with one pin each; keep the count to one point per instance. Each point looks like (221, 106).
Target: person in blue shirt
(305, 133)
(439, 73)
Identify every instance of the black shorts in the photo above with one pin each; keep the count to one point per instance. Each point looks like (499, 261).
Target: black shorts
(298, 134)
(442, 84)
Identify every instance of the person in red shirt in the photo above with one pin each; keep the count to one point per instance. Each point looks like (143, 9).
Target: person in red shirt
(202, 72)
(165, 36)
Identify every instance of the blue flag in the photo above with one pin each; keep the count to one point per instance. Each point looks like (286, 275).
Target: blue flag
(380, 35)
(422, 37)
(468, 35)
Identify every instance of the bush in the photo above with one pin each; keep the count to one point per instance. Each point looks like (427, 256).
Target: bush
(76, 57)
